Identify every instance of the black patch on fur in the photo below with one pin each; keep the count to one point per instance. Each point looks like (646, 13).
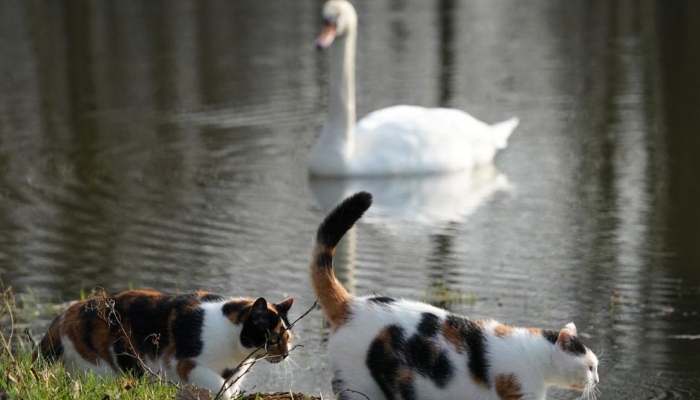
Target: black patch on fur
(211, 297)
(228, 372)
(383, 363)
(255, 333)
(145, 320)
(148, 318)
(125, 359)
(341, 219)
(88, 314)
(429, 325)
(575, 346)
(324, 259)
(475, 342)
(419, 353)
(187, 330)
(381, 299)
(550, 335)
(407, 391)
(425, 357)
(234, 306)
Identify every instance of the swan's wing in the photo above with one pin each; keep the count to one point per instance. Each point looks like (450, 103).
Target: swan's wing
(410, 139)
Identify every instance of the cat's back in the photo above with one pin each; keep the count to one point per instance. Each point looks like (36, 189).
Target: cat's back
(373, 317)
(103, 324)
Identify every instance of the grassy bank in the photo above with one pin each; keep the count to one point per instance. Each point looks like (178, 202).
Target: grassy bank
(21, 377)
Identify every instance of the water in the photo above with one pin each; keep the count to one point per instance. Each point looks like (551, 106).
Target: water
(163, 144)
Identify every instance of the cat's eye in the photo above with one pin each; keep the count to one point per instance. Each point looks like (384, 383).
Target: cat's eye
(590, 368)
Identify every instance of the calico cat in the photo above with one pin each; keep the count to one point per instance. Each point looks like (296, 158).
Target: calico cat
(384, 348)
(198, 338)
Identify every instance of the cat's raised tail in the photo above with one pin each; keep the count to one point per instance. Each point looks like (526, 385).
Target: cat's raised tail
(332, 296)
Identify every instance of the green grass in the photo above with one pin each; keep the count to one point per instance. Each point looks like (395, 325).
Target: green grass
(22, 377)
(439, 295)
(28, 379)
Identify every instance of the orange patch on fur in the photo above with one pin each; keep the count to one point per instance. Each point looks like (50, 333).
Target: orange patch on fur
(405, 376)
(501, 330)
(508, 387)
(102, 340)
(129, 297)
(333, 297)
(240, 317)
(535, 331)
(453, 336)
(281, 347)
(479, 382)
(73, 327)
(50, 342)
(184, 367)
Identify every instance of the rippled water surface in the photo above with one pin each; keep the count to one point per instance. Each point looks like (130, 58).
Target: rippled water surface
(163, 144)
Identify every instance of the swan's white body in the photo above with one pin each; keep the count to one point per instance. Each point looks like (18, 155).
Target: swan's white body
(395, 140)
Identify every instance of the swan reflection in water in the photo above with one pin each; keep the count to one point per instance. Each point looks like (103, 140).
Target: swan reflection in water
(433, 202)
(426, 199)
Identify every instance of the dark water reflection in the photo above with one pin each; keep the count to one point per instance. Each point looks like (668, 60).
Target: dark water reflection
(163, 144)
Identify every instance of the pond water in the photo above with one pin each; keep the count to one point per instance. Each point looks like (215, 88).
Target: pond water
(163, 144)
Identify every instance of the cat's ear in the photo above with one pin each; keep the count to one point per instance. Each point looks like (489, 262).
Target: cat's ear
(564, 339)
(284, 306)
(569, 342)
(259, 308)
(259, 314)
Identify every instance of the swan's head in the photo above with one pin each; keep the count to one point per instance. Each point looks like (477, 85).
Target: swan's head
(339, 18)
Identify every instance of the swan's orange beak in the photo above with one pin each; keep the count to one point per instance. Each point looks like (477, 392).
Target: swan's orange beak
(325, 38)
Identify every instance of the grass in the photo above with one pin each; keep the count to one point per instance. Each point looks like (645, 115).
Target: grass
(22, 377)
(441, 296)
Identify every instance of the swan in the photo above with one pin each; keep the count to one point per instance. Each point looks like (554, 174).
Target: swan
(396, 140)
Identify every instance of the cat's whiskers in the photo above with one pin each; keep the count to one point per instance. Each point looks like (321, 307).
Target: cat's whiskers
(293, 364)
(590, 392)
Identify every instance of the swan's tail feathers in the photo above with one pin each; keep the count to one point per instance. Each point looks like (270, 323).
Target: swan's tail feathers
(332, 296)
(502, 131)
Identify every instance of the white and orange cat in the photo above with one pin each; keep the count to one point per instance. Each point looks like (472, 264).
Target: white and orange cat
(198, 338)
(385, 348)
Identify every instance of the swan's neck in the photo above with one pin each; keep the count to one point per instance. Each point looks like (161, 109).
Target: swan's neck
(340, 125)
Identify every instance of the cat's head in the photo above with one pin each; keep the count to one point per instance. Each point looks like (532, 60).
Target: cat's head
(577, 365)
(266, 325)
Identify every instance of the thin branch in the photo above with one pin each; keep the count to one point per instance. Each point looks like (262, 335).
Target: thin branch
(353, 391)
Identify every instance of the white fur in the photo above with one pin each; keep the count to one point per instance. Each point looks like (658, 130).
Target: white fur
(73, 361)
(535, 361)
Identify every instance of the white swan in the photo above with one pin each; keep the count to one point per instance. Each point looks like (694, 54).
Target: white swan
(395, 140)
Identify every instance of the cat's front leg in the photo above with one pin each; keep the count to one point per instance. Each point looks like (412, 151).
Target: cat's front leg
(203, 378)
